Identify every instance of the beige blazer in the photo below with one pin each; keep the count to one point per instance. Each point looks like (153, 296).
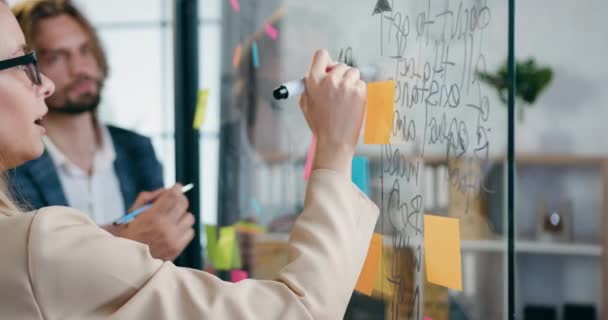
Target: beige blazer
(57, 264)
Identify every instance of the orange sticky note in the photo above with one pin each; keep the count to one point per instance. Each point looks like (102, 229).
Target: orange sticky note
(442, 251)
(236, 59)
(368, 275)
(380, 108)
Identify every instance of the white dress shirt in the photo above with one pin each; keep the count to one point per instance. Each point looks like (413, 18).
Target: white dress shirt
(97, 194)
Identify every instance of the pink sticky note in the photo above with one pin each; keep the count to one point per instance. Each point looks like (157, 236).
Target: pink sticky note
(238, 275)
(271, 31)
(310, 158)
(428, 318)
(236, 6)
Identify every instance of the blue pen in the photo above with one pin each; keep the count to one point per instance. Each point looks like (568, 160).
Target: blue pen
(131, 215)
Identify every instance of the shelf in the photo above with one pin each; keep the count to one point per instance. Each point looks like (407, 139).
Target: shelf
(483, 245)
(533, 247)
(559, 248)
(544, 159)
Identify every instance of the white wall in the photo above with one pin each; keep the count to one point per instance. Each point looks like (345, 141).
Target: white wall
(571, 37)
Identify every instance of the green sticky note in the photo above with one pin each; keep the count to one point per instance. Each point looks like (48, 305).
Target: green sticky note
(201, 108)
(211, 233)
(224, 252)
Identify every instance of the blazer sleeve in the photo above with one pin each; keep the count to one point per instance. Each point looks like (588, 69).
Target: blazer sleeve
(79, 271)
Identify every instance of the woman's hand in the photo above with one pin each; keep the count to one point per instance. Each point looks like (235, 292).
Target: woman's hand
(334, 106)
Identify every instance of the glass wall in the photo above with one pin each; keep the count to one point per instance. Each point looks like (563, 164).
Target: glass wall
(561, 159)
(447, 152)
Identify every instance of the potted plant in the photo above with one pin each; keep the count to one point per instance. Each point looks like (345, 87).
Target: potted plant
(530, 81)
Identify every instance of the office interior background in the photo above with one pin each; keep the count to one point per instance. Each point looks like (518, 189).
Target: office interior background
(253, 149)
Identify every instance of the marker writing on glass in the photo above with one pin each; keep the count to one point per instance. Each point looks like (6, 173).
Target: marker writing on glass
(131, 215)
(295, 88)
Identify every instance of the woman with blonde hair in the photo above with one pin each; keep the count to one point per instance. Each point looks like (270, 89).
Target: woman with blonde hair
(105, 277)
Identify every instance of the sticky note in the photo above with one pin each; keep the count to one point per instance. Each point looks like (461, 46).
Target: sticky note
(360, 174)
(201, 108)
(271, 31)
(310, 158)
(225, 249)
(236, 58)
(236, 6)
(369, 272)
(249, 227)
(442, 251)
(211, 234)
(380, 109)
(257, 208)
(238, 275)
(428, 318)
(224, 253)
(255, 54)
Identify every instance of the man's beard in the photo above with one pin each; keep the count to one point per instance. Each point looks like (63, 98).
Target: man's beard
(90, 104)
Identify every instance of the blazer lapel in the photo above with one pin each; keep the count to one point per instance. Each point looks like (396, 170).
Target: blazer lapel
(45, 177)
(122, 166)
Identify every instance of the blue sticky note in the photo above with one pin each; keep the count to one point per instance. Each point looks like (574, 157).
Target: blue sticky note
(360, 174)
(255, 55)
(256, 206)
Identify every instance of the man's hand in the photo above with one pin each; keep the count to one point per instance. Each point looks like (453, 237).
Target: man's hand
(166, 227)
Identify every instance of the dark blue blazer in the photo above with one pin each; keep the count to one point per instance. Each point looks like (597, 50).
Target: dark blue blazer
(36, 184)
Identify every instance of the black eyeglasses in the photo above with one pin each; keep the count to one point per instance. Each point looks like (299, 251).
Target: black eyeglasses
(29, 62)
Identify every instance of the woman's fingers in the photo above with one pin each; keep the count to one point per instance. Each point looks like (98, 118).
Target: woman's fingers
(352, 76)
(318, 69)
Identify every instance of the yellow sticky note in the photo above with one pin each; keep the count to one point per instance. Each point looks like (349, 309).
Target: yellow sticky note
(380, 108)
(369, 272)
(442, 251)
(224, 252)
(201, 108)
(249, 227)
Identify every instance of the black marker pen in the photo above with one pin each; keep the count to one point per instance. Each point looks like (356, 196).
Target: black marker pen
(295, 88)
